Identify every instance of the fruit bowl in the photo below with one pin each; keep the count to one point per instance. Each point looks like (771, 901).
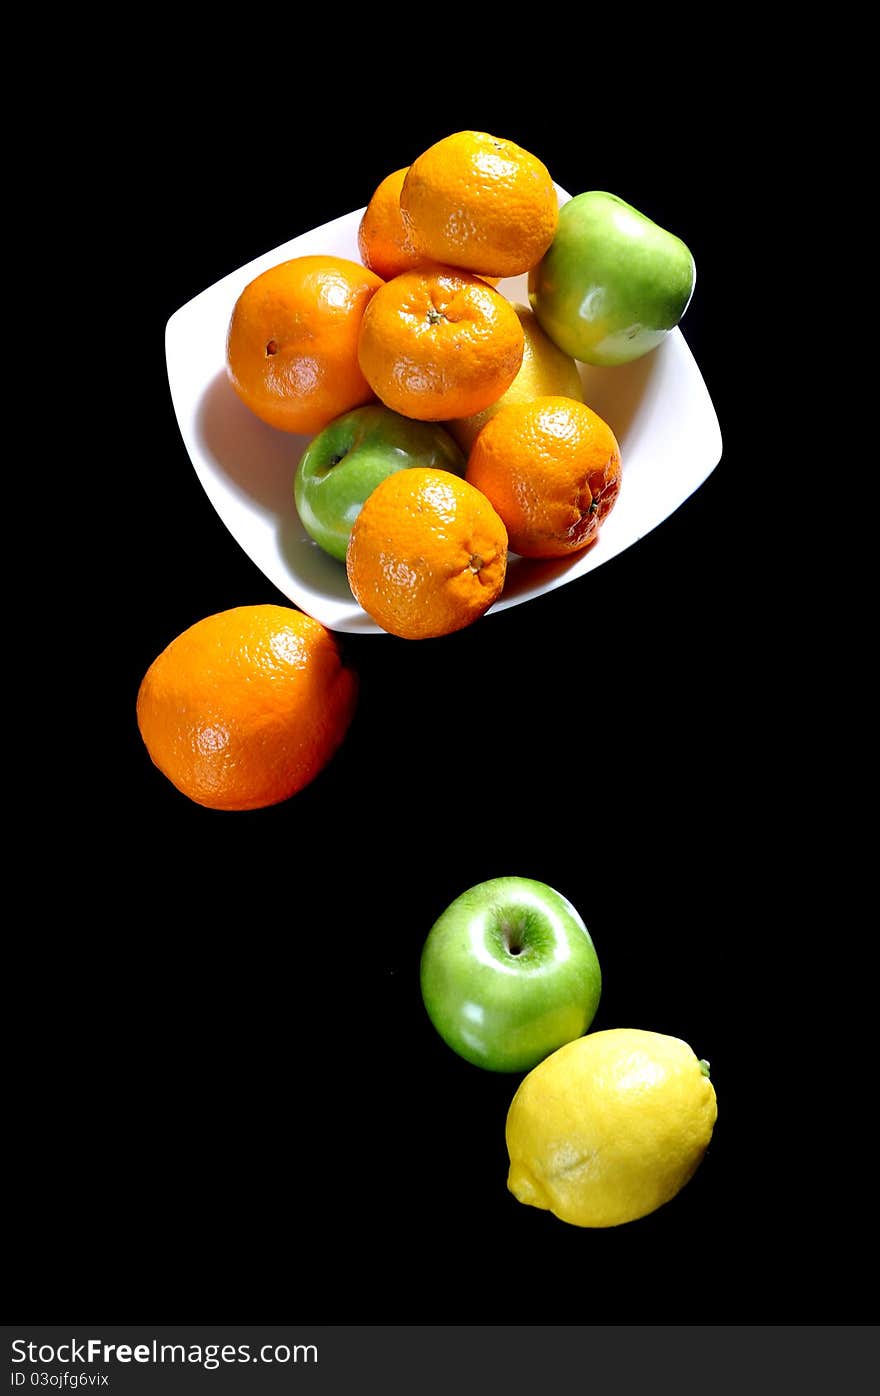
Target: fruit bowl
(658, 406)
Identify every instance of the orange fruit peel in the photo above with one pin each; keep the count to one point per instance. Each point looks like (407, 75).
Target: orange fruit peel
(551, 468)
(437, 343)
(427, 554)
(291, 347)
(479, 202)
(246, 707)
(383, 240)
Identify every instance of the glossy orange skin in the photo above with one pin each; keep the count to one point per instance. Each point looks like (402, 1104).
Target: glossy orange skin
(383, 241)
(480, 202)
(427, 554)
(437, 343)
(245, 707)
(551, 468)
(291, 348)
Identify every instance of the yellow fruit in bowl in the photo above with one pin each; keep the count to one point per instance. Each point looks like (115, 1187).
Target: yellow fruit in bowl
(609, 1127)
(545, 371)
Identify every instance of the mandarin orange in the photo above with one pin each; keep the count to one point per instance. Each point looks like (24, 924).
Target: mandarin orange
(427, 554)
(438, 343)
(245, 707)
(383, 241)
(551, 468)
(291, 348)
(481, 203)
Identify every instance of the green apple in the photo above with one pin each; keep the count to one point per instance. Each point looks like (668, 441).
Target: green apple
(613, 283)
(351, 456)
(509, 974)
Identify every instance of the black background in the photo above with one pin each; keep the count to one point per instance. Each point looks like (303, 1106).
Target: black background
(236, 1108)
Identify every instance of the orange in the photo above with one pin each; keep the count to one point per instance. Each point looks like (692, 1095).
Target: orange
(551, 468)
(382, 239)
(291, 350)
(427, 554)
(246, 707)
(438, 343)
(479, 202)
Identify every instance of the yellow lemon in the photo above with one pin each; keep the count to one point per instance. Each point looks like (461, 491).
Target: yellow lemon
(545, 370)
(610, 1127)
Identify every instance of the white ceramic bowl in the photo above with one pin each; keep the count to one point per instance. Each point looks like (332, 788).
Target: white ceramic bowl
(658, 407)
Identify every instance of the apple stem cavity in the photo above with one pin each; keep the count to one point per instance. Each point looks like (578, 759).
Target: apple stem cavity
(704, 1067)
(512, 942)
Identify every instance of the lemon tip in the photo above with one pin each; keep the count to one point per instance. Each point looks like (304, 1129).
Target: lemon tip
(525, 1187)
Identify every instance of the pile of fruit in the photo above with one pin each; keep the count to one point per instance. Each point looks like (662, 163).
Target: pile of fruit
(448, 421)
(448, 426)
